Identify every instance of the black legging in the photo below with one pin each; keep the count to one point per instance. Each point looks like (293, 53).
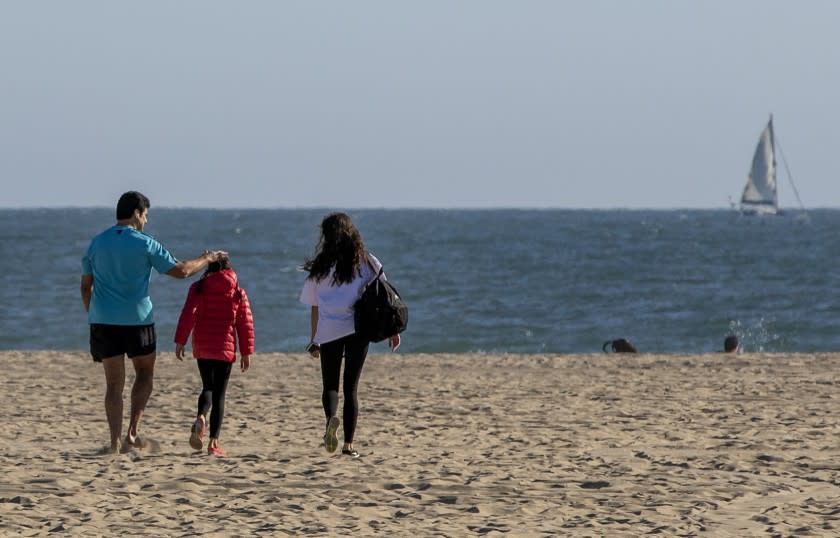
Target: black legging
(354, 350)
(214, 380)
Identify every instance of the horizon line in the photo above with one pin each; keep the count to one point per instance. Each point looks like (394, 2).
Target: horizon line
(417, 208)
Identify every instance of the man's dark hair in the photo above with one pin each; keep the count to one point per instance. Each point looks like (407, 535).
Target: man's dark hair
(129, 202)
(619, 345)
(730, 343)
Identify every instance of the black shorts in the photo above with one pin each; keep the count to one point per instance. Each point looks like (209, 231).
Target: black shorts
(118, 340)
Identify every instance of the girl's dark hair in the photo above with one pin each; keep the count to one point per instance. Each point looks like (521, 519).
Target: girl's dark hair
(339, 246)
(215, 267)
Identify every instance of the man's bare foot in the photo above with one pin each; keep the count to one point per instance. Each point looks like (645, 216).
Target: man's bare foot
(112, 449)
(134, 441)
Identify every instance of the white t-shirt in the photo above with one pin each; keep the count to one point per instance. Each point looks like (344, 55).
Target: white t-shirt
(335, 303)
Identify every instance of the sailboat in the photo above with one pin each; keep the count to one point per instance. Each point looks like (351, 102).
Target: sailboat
(760, 196)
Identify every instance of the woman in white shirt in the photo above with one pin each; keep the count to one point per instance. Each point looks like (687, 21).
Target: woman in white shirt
(337, 274)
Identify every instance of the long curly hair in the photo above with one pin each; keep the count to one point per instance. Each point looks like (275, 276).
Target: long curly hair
(339, 246)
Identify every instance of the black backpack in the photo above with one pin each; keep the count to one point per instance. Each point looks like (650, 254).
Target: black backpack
(379, 312)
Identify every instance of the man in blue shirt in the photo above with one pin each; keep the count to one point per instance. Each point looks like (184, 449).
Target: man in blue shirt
(115, 291)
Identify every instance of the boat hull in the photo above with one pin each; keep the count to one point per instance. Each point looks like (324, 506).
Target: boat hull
(760, 210)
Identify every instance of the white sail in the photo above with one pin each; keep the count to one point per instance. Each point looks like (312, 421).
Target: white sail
(760, 192)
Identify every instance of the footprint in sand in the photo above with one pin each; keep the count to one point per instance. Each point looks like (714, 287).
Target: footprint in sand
(143, 445)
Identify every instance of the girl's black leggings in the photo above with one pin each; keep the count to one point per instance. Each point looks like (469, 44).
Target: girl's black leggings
(214, 380)
(354, 350)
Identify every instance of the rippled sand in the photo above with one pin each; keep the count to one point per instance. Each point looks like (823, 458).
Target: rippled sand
(452, 445)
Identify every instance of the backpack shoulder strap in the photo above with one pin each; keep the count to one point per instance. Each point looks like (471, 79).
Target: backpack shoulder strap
(369, 264)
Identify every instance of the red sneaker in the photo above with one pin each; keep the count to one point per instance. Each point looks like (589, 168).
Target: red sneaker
(197, 434)
(216, 451)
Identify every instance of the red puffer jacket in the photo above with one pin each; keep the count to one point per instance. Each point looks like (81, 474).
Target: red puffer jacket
(219, 311)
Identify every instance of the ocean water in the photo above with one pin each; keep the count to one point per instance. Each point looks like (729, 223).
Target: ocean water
(495, 281)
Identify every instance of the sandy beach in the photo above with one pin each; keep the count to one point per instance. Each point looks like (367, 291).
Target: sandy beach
(452, 445)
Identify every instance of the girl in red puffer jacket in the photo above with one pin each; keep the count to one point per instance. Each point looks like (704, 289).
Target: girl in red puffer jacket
(218, 314)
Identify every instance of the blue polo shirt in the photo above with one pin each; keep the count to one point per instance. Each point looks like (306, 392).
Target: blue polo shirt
(121, 261)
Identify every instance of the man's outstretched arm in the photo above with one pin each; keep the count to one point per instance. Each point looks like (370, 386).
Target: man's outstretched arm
(187, 268)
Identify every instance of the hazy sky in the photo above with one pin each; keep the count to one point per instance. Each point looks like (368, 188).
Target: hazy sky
(584, 103)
